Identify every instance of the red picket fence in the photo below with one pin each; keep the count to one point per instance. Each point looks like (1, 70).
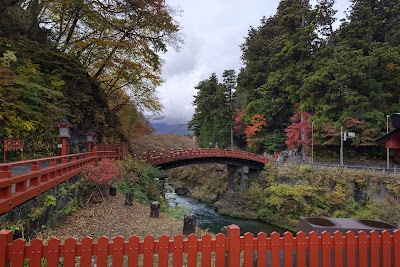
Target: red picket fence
(233, 250)
(16, 189)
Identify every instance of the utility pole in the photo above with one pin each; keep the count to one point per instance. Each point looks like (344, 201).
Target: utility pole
(341, 145)
(387, 149)
(312, 142)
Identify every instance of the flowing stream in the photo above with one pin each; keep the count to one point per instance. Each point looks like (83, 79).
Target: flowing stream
(208, 218)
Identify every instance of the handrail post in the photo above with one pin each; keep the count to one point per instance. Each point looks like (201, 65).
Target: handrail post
(234, 246)
(6, 237)
(5, 174)
(119, 153)
(53, 162)
(35, 167)
(95, 151)
(64, 159)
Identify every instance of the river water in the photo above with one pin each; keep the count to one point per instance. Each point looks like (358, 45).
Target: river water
(208, 218)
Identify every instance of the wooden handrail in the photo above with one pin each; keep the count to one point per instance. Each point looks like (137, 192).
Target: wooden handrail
(15, 189)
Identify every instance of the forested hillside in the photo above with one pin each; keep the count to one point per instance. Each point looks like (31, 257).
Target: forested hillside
(299, 72)
(96, 64)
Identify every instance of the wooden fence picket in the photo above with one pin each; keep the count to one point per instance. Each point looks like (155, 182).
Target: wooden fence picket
(262, 249)
(35, 257)
(363, 242)
(338, 245)
(288, 249)
(86, 252)
(386, 249)
(206, 251)
(248, 249)
(118, 251)
(314, 246)
(301, 246)
(18, 253)
(220, 248)
(178, 251)
(396, 248)
(133, 251)
(53, 248)
(374, 248)
(234, 246)
(148, 251)
(326, 248)
(275, 249)
(102, 252)
(163, 250)
(69, 252)
(350, 249)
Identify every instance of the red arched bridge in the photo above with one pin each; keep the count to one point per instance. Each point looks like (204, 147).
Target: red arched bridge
(181, 157)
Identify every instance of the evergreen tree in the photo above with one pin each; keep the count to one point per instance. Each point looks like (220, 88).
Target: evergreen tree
(213, 115)
(278, 57)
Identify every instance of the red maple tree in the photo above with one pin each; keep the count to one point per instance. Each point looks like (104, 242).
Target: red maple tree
(239, 127)
(299, 132)
(103, 173)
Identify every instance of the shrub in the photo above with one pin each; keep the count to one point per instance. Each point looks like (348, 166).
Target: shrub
(103, 172)
(50, 201)
(140, 179)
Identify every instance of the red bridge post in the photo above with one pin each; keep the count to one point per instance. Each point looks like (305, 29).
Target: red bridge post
(5, 174)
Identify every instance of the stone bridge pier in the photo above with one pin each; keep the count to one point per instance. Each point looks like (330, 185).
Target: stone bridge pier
(239, 177)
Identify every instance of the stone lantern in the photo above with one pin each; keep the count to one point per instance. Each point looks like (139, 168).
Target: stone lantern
(64, 132)
(89, 140)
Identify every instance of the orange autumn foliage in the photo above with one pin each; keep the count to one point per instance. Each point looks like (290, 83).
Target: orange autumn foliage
(256, 124)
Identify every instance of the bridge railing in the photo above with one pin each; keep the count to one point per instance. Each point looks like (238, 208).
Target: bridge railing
(173, 154)
(233, 250)
(23, 180)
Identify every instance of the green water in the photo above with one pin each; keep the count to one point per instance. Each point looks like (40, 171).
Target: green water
(208, 218)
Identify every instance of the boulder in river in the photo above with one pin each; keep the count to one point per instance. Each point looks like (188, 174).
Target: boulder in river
(181, 191)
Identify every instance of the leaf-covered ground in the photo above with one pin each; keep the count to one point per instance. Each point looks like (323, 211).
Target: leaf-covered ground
(112, 218)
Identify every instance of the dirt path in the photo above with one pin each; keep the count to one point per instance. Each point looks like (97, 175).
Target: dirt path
(112, 218)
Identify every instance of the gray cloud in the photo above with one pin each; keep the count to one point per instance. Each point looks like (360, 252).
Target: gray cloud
(213, 32)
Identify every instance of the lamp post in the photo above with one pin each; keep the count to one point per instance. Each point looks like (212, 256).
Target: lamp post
(89, 140)
(64, 132)
(343, 137)
(387, 149)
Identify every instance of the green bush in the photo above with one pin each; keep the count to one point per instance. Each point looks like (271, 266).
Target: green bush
(50, 201)
(140, 179)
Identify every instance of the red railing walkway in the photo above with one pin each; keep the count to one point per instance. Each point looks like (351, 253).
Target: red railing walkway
(45, 173)
(233, 250)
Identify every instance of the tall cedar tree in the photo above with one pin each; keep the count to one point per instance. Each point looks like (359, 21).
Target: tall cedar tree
(212, 120)
(277, 57)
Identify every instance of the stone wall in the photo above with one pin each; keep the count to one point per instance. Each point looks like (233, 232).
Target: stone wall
(45, 210)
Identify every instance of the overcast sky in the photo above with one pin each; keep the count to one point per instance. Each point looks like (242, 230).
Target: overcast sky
(213, 32)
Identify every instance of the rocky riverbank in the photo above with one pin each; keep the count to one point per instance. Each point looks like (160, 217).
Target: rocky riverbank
(281, 195)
